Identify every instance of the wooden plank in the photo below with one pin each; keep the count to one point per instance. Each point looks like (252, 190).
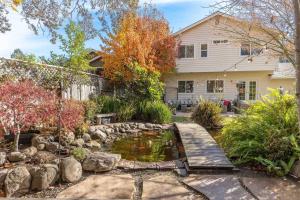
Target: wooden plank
(200, 147)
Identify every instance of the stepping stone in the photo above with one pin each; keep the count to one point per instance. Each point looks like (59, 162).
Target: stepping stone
(165, 187)
(101, 187)
(265, 188)
(218, 187)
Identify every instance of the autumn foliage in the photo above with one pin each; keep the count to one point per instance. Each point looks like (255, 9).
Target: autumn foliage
(141, 39)
(24, 105)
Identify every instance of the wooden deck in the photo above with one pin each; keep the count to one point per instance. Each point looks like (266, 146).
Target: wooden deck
(201, 149)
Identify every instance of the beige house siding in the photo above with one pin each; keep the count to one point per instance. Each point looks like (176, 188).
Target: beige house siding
(262, 78)
(220, 56)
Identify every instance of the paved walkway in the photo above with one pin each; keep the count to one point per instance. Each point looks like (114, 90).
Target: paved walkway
(201, 149)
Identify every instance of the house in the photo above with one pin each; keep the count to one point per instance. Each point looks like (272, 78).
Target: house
(213, 65)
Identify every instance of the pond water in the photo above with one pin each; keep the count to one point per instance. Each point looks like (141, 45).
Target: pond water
(150, 146)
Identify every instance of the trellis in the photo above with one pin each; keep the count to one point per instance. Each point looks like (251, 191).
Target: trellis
(80, 84)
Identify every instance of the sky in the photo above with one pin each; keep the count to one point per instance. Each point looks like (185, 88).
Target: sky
(179, 13)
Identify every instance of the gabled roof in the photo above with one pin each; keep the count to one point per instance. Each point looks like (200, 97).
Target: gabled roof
(218, 13)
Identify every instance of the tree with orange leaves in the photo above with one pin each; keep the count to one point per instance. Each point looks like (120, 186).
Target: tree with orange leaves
(142, 37)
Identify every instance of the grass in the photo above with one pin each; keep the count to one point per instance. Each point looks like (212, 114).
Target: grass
(181, 119)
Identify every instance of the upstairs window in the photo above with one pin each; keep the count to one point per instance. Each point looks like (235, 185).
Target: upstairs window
(185, 86)
(186, 51)
(203, 50)
(215, 86)
(283, 59)
(245, 49)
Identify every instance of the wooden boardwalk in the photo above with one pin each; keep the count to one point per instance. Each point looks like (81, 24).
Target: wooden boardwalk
(201, 149)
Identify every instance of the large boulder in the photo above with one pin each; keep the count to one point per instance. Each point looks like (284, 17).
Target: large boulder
(16, 156)
(43, 157)
(296, 169)
(71, 170)
(17, 182)
(2, 158)
(44, 177)
(100, 162)
(67, 138)
(39, 141)
(3, 174)
(98, 134)
(30, 151)
(86, 137)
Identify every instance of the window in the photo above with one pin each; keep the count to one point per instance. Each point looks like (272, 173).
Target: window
(241, 86)
(245, 49)
(203, 50)
(186, 51)
(185, 86)
(252, 90)
(215, 86)
(220, 41)
(283, 59)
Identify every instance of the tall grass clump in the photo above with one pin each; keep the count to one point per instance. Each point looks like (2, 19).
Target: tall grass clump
(207, 114)
(265, 134)
(154, 111)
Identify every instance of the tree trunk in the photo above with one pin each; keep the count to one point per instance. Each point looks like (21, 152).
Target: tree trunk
(297, 54)
(17, 137)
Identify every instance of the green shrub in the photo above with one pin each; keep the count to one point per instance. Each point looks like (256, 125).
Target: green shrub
(79, 153)
(125, 112)
(108, 104)
(155, 112)
(265, 134)
(90, 109)
(207, 114)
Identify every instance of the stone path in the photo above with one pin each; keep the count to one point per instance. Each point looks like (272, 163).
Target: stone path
(201, 149)
(265, 188)
(101, 187)
(218, 187)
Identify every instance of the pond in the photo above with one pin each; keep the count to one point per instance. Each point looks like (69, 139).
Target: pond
(149, 146)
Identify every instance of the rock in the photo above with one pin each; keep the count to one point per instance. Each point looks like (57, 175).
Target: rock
(39, 142)
(158, 126)
(52, 146)
(99, 135)
(109, 131)
(95, 146)
(296, 169)
(78, 142)
(68, 137)
(149, 125)
(86, 137)
(16, 156)
(2, 158)
(44, 177)
(71, 170)
(101, 162)
(30, 151)
(141, 126)
(92, 129)
(17, 182)
(122, 130)
(43, 157)
(3, 174)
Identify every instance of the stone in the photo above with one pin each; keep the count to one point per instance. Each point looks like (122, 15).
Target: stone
(95, 146)
(296, 169)
(39, 142)
(43, 157)
(16, 156)
(2, 158)
(86, 137)
(17, 182)
(218, 187)
(109, 131)
(100, 162)
(30, 151)
(165, 187)
(71, 170)
(266, 187)
(68, 137)
(92, 129)
(122, 130)
(52, 146)
(78, 142)
(40, 147)
(141, 126)
(44, 177)
(3, 174)
(99, 135)
(158, 126)
(101, 187)
(149, 125)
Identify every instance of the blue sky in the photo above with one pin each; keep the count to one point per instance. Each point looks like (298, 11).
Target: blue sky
(179, 13)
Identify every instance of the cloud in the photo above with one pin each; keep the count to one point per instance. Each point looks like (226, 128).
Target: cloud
(22, 37)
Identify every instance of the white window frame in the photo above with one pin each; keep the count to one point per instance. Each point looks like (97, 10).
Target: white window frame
(247, 89)
(203, 50)
(185, 51)
(214, 91)
(185, 87)
(221, 43)
(251, 49)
